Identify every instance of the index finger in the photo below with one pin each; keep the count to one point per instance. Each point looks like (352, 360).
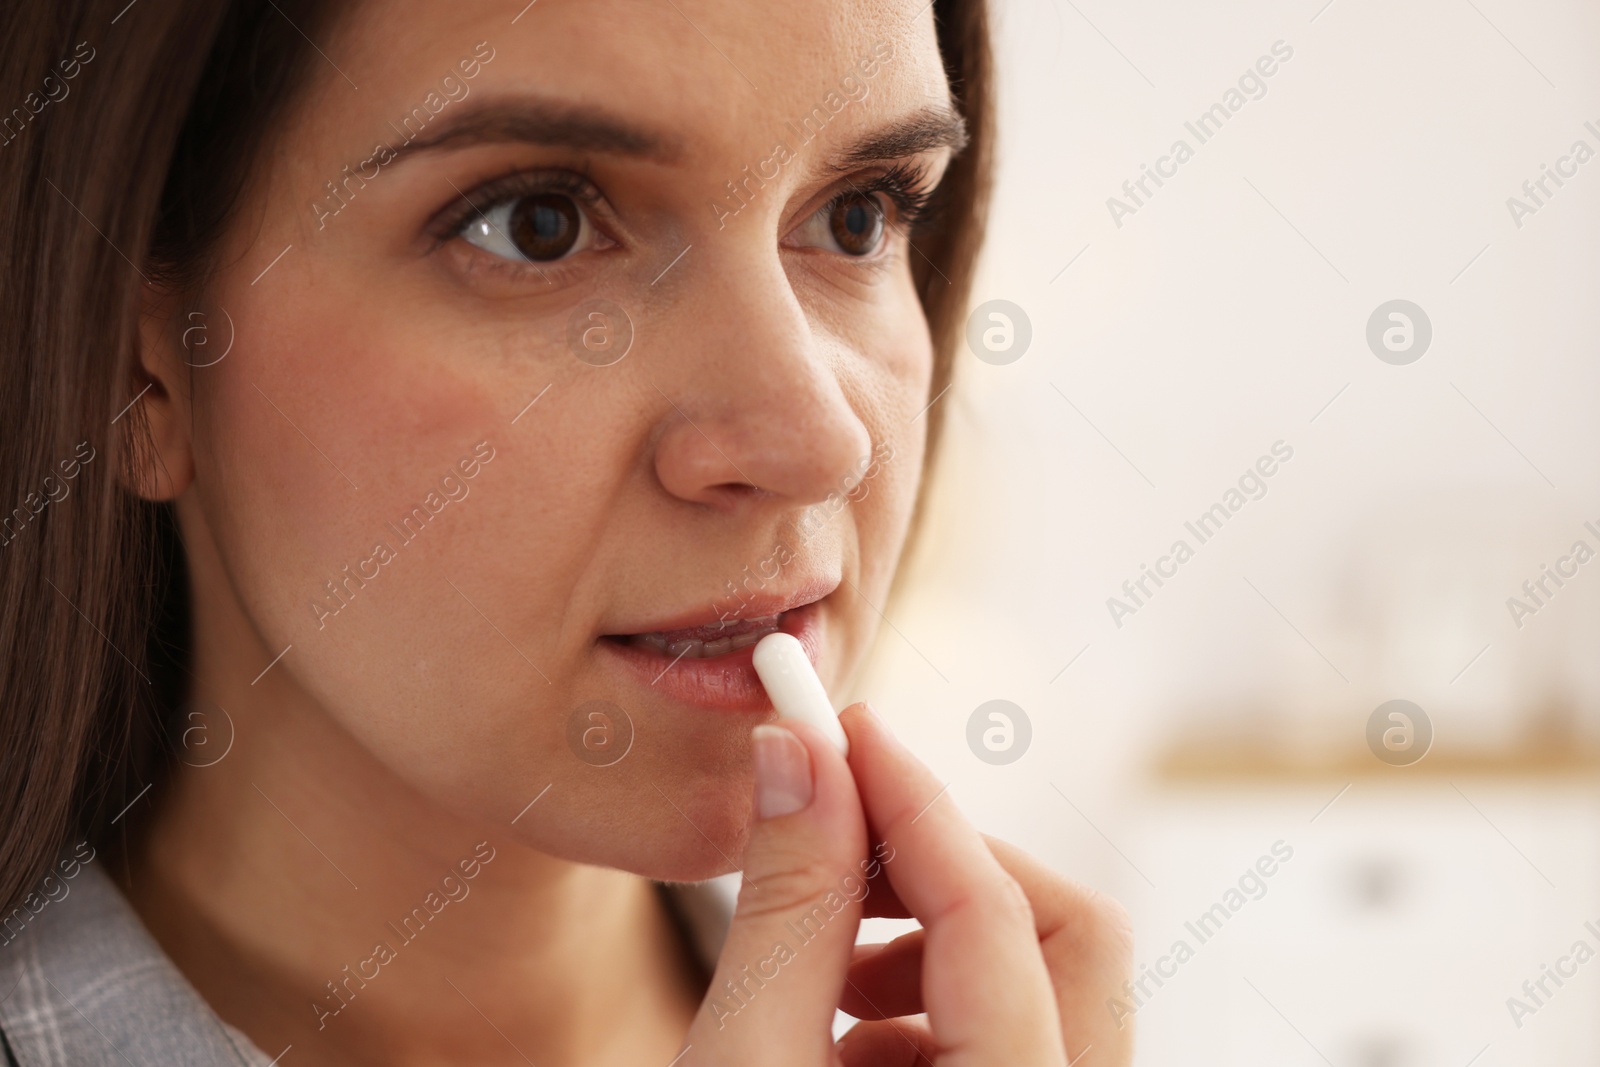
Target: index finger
(985, 986)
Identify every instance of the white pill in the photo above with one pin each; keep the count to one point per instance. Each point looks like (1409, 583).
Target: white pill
(794, 687)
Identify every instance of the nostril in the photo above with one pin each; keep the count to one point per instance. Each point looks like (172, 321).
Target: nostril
(739, 489)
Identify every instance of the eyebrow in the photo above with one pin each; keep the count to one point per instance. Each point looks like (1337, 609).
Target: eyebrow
(577, 127)
(922, 131)
(589, 129)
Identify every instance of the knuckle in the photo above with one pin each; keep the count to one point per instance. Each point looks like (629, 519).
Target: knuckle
(793, 883)
(1097, 926)
(1108, 914)
(1113, 926)
(1012, 902)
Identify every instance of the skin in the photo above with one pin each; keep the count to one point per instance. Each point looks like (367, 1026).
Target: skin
(409, 731)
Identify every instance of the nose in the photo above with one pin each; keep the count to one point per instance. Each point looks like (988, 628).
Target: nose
(754, 407)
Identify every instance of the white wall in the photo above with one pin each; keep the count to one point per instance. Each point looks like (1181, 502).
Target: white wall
(1221, 317)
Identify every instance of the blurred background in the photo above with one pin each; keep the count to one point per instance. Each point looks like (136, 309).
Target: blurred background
(1143, 359)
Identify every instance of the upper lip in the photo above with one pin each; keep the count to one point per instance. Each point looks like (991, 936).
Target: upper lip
(727, 608)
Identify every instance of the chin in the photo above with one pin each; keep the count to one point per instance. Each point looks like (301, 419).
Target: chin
(659, 824)
(686, 866)
(673, 850)
(679, 855)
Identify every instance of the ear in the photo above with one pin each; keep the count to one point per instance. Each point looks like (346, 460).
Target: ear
(160, 379)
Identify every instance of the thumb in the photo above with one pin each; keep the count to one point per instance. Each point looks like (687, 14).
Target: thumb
(782, 968)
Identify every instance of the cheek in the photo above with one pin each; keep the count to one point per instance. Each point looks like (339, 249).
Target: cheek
(889, 385)
(893, 364)
(891, 390)
(318, 435)
(416, 615)
(884, 514)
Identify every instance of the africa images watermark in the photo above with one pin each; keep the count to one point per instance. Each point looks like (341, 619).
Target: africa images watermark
(1531, 201)
(452, 888)
(1251, 885)
(852, 489)
(52, 90)
(852, 888)
(1252, 485)
(1536, 992)
(1551, 579)
(741, 192)
(55, 490)
(1205, 126)
(452, 89)
(51, 889)
(339, 592)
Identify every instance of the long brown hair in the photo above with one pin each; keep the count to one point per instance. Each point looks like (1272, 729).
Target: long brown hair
(135, 129)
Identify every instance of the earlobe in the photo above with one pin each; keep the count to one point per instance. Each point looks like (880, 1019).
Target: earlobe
(158, 405)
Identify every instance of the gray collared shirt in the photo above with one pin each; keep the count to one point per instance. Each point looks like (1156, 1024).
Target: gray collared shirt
(85, 985)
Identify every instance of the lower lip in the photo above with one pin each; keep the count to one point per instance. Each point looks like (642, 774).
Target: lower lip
(727, 682)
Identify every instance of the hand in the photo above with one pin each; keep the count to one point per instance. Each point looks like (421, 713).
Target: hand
(1014, 964)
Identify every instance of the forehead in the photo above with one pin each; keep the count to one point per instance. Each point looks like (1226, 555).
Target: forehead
(713, 78)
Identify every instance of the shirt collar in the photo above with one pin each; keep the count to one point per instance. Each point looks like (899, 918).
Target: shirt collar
(87, 986)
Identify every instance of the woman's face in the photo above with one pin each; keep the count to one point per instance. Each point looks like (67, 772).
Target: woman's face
(575, 349)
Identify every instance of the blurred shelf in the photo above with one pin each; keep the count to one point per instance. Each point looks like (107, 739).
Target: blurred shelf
(1214, 763)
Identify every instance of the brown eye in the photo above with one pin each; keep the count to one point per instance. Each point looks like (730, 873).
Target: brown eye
(856, 223)
(544, 227)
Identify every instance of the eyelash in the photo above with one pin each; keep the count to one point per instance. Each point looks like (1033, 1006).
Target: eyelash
(916, 204)
(451, 220)
(905, 185)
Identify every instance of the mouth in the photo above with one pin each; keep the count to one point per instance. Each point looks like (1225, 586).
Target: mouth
(705, 642)
(709, 662)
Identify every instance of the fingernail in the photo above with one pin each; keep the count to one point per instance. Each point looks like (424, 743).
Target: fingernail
(783, 772)
(866, 952)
